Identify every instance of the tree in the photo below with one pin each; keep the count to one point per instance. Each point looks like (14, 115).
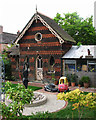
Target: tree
(80, 29)
(7, 63)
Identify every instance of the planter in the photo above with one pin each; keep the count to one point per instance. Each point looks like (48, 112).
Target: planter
(86, 81)
(72, 84)
(86, 85)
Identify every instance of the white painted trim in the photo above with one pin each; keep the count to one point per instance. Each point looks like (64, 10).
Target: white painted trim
(51, 30)
(44, 23)
(23, 32)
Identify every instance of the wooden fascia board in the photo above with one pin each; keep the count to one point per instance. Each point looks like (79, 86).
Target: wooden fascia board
(44, 23)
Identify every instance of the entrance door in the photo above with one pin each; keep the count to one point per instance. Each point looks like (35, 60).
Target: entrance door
(39, 69)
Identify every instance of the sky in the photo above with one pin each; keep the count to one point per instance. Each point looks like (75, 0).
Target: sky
(15, 14)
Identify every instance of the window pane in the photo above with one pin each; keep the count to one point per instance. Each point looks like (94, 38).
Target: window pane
(52, 61)
(82, 65)
(92, 68)
(70, 67)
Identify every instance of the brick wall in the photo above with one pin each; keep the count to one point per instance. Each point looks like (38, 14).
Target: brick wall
(80, 74)
(47, 47)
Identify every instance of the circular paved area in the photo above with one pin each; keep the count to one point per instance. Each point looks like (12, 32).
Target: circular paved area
(52, 105)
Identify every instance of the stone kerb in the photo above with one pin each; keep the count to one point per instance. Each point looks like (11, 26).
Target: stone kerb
(38, 100)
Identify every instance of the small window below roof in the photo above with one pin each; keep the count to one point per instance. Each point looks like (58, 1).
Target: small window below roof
(38, 36)
(91, 65)
(70, 65)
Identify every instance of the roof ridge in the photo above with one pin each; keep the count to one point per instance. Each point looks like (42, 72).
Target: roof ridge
(44, 15)
(10, 33)
(55, 29)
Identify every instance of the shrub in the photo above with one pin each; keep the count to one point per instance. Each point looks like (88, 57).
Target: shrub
(19, 97)
(85, 79)
(80, 100)
(68, 77)
(80, 82)
(73, 77)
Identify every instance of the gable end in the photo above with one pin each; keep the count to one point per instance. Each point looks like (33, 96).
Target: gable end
(45, 21)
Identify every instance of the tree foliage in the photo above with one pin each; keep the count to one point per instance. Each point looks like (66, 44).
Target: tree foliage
(80, 29)
(7, 64)
(19, 96)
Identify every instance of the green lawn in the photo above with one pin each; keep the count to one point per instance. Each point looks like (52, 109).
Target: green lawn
(64, 114)
(30, 87)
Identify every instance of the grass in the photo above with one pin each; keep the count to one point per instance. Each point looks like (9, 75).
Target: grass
(64, 114)
(34, 88)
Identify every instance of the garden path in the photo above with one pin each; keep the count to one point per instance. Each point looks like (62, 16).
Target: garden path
(52, 104)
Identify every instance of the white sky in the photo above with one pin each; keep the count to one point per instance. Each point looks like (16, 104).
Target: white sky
(14, 14)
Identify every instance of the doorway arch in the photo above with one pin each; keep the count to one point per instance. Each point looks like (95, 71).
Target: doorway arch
(39, 68)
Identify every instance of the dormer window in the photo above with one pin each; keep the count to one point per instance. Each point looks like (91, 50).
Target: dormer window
(38, 36)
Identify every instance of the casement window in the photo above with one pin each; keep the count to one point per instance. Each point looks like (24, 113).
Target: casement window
(26, 61)
(39, 62)
(91, 65)
(82, 65)
(51, 63)
(70, 65)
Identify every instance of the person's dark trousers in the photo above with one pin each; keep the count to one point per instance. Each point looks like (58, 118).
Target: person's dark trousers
(25, 82)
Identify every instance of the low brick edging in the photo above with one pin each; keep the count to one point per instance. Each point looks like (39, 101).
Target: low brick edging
(83, 89)
(36, 84)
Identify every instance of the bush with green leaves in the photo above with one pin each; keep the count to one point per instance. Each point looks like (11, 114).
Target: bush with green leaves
(19, 97)
(7, 63)
(85, 79)
(80, 82)
(68, 77)
(73, 77)
(81, 100)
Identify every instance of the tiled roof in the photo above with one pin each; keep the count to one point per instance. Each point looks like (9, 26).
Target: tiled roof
(13, 50)
(64, 35)
(57, 28)
(7, 38)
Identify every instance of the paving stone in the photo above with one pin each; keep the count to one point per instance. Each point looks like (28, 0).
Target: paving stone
(52, 105)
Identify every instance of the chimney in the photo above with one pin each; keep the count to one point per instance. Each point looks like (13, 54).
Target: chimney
(88, 52)
(18, 32)
(1, 29)
(89, 55)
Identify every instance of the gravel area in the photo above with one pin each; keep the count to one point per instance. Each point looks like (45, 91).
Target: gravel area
(52, 105)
